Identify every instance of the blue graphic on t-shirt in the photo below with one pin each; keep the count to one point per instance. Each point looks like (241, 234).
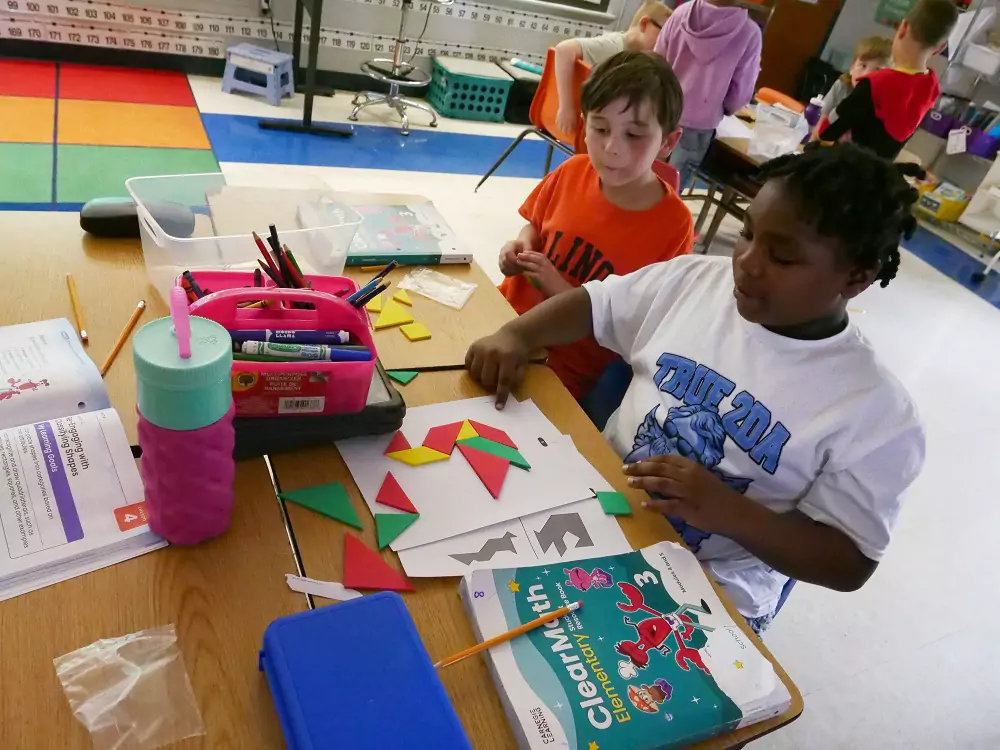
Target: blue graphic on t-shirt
(694, 432)
(698, 431)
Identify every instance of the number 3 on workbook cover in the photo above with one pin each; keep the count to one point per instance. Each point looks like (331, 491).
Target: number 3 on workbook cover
(651, 661)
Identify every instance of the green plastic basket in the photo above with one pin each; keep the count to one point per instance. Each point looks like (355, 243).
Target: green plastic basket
(468, 97)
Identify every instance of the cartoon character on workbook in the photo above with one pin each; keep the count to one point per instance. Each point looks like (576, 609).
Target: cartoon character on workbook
(654, 631)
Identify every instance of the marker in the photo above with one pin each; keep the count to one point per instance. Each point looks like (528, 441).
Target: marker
(303, 352)
(336, 355)
(292, 337)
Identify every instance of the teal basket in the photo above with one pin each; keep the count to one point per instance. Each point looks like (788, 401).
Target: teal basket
(468, 97)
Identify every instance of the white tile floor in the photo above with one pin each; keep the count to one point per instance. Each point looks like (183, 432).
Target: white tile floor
(913, 659)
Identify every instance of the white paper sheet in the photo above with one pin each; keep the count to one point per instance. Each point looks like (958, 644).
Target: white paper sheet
(572, 532)
(449, 496)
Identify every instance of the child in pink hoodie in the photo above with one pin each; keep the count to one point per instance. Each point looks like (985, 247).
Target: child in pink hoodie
(714, 49)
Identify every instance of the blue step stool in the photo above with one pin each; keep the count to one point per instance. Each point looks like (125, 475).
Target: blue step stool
(259, 71)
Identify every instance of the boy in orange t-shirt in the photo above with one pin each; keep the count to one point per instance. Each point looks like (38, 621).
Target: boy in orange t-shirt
(605, 212)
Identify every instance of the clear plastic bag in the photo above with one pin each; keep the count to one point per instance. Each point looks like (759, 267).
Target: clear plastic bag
(131, 692)
(438, 287)
(777, 131)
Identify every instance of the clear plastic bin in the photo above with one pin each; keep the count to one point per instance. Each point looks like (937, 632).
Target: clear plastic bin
(203, 222)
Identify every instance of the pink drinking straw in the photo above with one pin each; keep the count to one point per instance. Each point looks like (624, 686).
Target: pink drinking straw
(181, 317)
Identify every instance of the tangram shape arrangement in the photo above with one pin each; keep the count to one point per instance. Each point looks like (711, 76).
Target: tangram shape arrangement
(364, 568)
(489, 451)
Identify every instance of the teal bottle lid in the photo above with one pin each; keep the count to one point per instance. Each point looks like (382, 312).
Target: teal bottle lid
(183, 394)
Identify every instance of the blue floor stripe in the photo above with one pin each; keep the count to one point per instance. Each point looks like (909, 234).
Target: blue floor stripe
(237, 138)
(40, 206)
(954, 263)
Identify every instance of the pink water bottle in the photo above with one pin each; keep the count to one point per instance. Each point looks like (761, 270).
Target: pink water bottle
(185, 404)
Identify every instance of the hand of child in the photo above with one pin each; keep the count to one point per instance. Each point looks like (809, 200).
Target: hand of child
(567, 120)
(684, 488)
(538, 268)
(497, 362)
(508, 257)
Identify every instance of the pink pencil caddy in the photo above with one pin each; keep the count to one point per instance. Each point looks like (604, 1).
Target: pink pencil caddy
(272, 389)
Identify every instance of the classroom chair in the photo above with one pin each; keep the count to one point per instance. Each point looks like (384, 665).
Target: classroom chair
(544, 106)
(668, 174)
(770, 96)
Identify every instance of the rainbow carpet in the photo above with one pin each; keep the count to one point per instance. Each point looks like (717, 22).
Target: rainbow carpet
(70, 133)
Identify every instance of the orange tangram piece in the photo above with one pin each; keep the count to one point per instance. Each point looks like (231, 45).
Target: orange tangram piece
(492, 433)
(489, 468)
(391, 494)
(443, 438)
(398, 443)
(364, 568)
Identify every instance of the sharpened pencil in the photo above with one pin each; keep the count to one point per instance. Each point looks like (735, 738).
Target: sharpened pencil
(123, 337)
(77, 312)
(503, 637)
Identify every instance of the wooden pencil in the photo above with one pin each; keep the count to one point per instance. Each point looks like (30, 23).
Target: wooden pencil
(123, 337)
(503, 637)
(77, 312)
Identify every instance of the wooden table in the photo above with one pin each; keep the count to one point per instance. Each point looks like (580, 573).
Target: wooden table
(728, 167)
(39, 250)
(435, 606)
(452, 331)
(220, 595)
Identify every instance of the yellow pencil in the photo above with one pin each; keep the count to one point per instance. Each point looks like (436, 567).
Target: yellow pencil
(123, 337)
(77, 312)
(485, 645)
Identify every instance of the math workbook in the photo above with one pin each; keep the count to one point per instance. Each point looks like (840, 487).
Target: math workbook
(71, 499)
(652, 660)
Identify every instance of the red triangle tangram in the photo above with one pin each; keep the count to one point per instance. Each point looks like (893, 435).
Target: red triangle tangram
(492, 433)
(391, 494)
(492, 470)
(443, 438)
(398, 443)
(364, 568)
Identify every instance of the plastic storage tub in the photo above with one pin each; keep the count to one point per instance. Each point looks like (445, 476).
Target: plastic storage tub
(469, 89)
(316, 227)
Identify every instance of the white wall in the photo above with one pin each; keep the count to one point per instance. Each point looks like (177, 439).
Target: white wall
(856, 21)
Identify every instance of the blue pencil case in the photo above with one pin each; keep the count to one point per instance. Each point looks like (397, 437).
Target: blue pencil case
(356, 676)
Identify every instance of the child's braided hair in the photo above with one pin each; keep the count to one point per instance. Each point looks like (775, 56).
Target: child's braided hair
(850, 194)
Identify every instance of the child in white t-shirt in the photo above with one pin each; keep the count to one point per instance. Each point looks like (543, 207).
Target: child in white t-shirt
(758, 418)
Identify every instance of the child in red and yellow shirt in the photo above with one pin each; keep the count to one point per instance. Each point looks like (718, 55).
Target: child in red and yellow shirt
(604, 213)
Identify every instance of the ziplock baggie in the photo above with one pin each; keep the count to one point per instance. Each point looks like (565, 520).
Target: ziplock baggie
(131, 692)
(438, 287)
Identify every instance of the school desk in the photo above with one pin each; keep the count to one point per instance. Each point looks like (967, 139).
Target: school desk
(452, 331)
(728, 167)
(220, 596)
(39, 249)
(435, 605)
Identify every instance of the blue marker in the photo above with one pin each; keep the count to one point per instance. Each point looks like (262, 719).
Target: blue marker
(292, 337)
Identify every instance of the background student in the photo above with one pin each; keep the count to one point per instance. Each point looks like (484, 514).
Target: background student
(886, 107)
(870, 54)
(714, 48)
(641, 35)
(605, 212)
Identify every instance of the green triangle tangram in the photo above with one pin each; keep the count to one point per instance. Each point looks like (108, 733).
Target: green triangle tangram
(390, 525)
(329, 499)
(496, 449)
(402, 376)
